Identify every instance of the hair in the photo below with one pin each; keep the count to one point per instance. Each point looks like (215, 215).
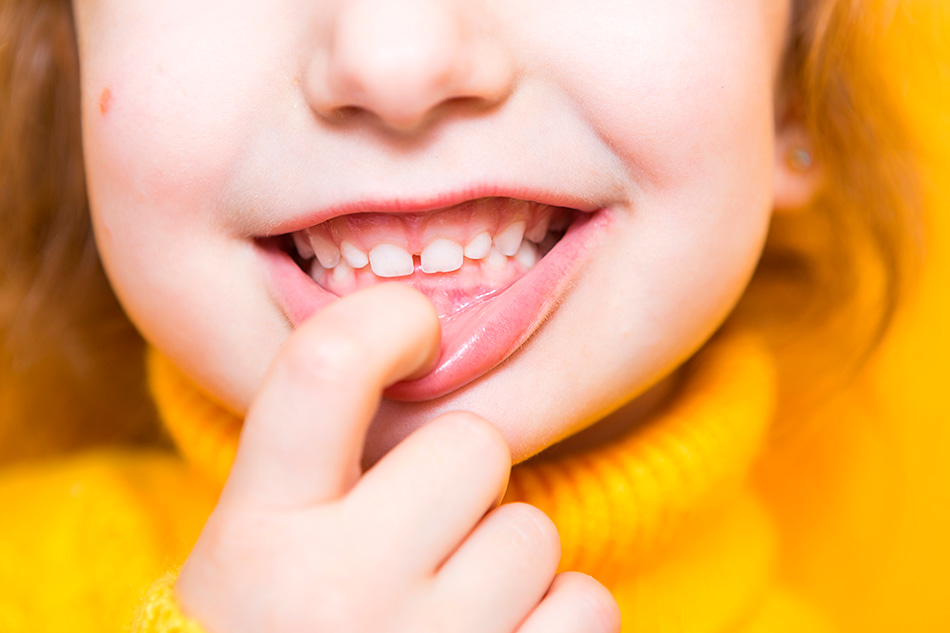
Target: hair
(834, 274)
(71, 364)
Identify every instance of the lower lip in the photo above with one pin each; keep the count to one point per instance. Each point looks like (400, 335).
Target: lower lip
(485, 334)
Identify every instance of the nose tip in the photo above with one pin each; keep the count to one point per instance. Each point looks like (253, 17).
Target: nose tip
(401, 61)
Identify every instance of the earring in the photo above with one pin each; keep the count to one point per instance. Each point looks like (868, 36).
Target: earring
(800, 159)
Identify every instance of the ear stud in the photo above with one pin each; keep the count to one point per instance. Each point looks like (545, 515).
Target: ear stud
(800, 159)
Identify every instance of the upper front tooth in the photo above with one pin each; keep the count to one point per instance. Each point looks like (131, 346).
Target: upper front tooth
(303, 245)
(326, 251)
(389, 260)
(509, 240)
(538, 231)
(479, 247)
(441, 256)
(353, 256)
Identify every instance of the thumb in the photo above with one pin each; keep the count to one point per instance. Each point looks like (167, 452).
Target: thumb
(304, 433)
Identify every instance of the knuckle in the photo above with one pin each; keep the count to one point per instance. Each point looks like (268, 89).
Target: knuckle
(593, 601)
(536, 528)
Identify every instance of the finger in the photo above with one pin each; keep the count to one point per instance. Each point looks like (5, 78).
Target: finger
(575, 603)
(304, 433)
(498, 576)
(425, 496)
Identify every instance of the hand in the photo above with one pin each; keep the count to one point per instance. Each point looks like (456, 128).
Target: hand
(301, 541)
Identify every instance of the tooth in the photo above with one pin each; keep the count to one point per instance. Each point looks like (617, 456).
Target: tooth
(316, 270)
(303, 245)
(353, 256)
(325, 250)
(441, 256)
(496, 260)
(479, 247)
(388, 260)
(508, 241)
(342, 274)
(527, 255)
(538, 231)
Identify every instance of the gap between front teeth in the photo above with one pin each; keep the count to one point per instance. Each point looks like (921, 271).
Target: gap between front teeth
(439, 256)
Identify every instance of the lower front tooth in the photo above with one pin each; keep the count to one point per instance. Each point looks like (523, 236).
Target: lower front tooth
(527, 255)
(389, 260)
(441, 256)
(342, 274)
(496, 260)
(316, 270)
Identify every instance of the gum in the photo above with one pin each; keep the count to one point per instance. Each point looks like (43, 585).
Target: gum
(451, 293)
(414, 232)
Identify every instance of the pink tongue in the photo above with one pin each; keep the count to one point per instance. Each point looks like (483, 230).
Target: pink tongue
(451, 293)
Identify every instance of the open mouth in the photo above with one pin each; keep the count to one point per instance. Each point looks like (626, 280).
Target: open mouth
(458, 257)
(494, 268)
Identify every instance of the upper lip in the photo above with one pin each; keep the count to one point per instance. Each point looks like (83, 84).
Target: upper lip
(431, 202)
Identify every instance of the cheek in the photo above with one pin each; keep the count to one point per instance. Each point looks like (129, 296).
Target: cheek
(679, 102)
(164, 123)
(171, 95)
(691, 113)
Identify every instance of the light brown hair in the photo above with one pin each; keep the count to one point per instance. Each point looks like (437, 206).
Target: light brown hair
(71, 370)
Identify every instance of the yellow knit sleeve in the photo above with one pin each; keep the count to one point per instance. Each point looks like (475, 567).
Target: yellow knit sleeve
(159, 611)
(82, 539)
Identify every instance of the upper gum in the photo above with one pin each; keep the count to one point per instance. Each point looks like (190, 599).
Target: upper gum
(416, 231)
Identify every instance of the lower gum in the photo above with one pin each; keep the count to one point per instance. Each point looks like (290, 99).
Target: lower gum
(449, 292)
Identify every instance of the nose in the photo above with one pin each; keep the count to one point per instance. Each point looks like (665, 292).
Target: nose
(403, 60)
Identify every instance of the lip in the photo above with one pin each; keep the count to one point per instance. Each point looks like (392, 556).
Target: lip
(479, 338)
(434, 202)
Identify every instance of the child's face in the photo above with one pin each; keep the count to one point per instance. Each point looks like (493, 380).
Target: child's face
(211, 125)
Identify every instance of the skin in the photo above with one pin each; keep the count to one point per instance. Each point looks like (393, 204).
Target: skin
(207, 123)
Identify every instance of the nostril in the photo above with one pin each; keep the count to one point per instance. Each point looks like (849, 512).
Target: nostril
(405, 64)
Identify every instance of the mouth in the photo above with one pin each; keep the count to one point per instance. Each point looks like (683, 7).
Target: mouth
(494, 268)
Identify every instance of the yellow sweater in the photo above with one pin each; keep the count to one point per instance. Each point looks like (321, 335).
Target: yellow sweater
(697, 522)
(700, 522)
(666, 517)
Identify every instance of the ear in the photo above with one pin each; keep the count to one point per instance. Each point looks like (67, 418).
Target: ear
(798, 171)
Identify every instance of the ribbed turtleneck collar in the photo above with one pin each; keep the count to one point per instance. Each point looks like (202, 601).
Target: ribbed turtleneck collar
(613, 504)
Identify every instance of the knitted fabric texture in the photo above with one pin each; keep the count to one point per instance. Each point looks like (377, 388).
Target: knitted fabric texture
(628, 511)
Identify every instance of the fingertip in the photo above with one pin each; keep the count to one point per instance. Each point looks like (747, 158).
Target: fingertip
(400, 301)
(592, 598)
(303, 436)
(495, 444)
(484, 437)
(420, 309)
(392, 315)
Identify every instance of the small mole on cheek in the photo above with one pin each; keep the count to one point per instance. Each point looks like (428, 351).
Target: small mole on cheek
(105, 101)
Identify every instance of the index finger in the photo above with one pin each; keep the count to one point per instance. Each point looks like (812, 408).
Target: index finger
(304, 433)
